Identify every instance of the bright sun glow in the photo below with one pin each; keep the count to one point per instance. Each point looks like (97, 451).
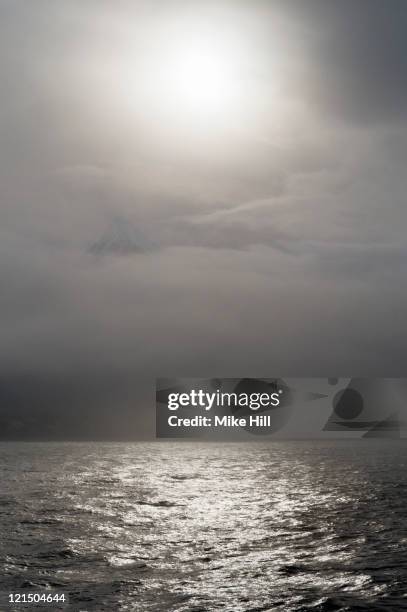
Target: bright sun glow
(192, 80)
(200, 80)
(194, 77)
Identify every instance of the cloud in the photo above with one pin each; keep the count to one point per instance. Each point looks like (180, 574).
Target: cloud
(280, 238)
(355, 58)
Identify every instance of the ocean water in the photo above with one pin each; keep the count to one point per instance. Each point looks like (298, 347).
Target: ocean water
(168, 526)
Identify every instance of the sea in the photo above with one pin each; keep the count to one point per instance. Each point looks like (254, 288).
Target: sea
(172, 526)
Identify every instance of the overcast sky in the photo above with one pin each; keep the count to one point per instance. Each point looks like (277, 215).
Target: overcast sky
(264, 181)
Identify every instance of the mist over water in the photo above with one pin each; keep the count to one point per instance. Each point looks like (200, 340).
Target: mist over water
(169, 526)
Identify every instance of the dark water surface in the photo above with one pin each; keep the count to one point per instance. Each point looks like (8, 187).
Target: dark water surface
(284, 526)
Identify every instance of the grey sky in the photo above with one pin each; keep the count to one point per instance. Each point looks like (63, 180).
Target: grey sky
(278, 224)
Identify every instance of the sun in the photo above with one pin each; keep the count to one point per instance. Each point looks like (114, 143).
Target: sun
(200, 80)
(188, 79)
(195, 75)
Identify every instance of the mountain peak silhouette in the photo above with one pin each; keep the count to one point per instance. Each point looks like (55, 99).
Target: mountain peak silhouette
(121, 238)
